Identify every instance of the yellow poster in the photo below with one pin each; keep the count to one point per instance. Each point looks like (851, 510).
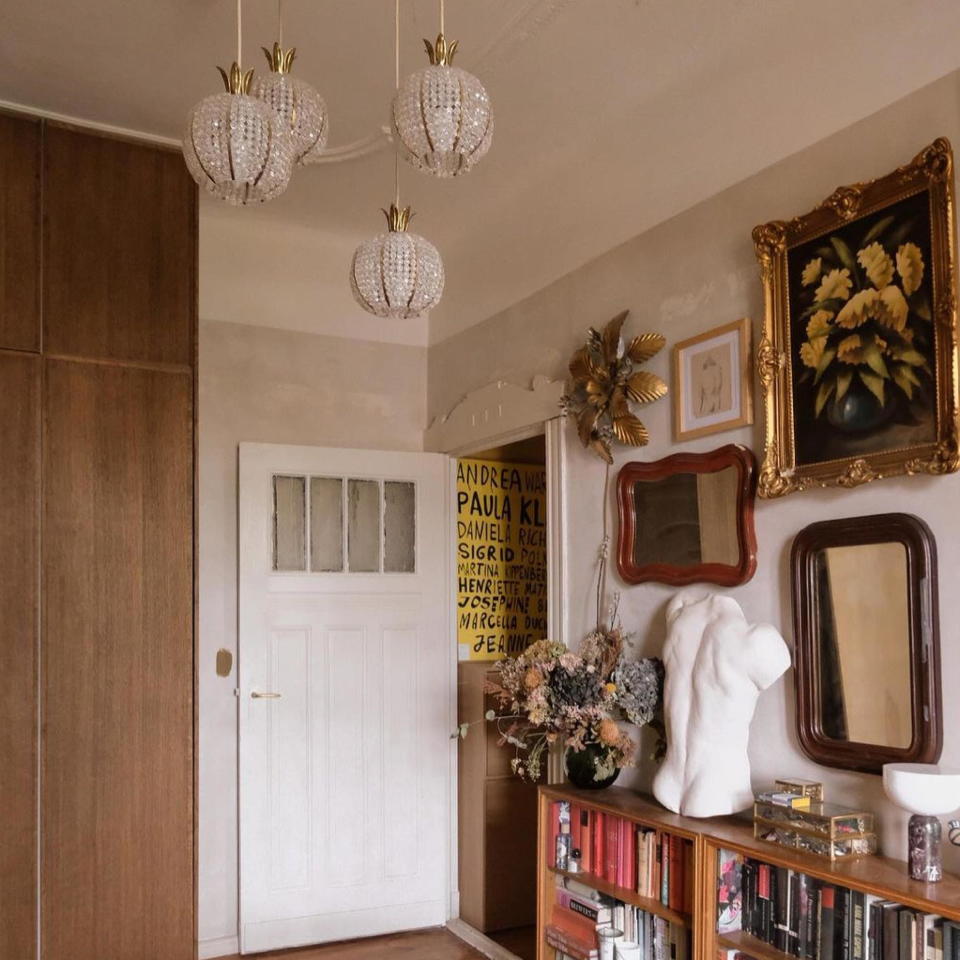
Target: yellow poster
(501, 558)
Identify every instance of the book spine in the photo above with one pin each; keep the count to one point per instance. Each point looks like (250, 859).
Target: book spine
(622, 827)
(859, 926)
(630, 856)
(586, 838)
(664, 892)
(610, 848)
(826, 912)
(599, 835)
(675, 889)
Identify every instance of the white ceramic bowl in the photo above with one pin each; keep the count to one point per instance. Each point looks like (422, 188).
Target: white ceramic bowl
(924, 788)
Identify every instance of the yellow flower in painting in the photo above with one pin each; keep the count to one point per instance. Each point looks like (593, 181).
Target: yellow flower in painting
(910, 267)
(877, 263)
(610, 687)
(609, 732)
(835, 286)
(850, 349)
(820, 323)
(861, 306)
(811, 352)
(811, 272)
(893, 309)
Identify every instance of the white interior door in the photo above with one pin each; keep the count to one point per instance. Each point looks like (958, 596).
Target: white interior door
(345, 667)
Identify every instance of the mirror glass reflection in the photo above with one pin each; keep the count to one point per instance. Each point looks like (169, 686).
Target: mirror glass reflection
(864, 644)
(687, 519)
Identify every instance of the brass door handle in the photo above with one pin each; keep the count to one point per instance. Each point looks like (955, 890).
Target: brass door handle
(265, 696)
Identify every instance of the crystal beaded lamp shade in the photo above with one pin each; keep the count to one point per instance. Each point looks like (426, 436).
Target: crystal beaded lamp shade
(442, 116)
(236, 147)
(300, 107)
(397, 274)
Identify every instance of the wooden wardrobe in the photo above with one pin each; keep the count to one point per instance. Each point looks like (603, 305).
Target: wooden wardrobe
(98, 313)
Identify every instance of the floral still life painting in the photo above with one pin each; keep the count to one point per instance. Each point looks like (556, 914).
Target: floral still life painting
(858, 355)
(863, 370)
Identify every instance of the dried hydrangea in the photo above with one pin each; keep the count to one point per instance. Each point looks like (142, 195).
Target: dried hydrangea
(640, 689)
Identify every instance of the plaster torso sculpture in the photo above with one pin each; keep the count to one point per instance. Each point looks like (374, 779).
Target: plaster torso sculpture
(716, 665)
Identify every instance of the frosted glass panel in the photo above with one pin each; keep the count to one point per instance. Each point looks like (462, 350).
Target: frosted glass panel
(289, 523)
(399, 526)
(363, 526)
(326, 524)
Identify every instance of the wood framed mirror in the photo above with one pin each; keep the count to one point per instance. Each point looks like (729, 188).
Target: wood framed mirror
(868, 652)
(688, 518)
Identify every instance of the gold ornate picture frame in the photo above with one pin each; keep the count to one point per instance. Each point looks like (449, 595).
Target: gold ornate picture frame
(858, 359)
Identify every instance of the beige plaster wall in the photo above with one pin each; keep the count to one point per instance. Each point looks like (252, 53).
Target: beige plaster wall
(682, 277)
(274, 386)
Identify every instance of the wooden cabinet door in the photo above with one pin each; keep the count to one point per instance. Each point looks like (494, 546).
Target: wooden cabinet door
(117, 674)
(19, 233)
(119, 250)
(19, 576)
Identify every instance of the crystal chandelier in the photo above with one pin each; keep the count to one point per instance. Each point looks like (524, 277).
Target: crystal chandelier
(442, 115)
(397, 274)
(301, 108)
(235, 146)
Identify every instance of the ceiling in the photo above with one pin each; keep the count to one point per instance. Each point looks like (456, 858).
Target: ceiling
(611, 115)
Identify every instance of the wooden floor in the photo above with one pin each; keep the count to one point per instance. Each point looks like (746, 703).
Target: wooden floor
(435, 944)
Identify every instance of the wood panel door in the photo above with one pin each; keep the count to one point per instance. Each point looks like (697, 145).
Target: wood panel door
(19, 583)
(119, 259)
(117, 664)
(20, 139)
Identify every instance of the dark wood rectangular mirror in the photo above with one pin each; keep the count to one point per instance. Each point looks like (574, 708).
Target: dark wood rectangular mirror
(868, 654)
(688, 518)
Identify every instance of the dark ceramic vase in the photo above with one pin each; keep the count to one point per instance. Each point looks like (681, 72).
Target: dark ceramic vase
(582, 767)
(859, 410)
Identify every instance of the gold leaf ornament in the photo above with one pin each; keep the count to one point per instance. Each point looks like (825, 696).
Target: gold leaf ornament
(645, 387)
(630, 430)
(605, 380)
(645, 346)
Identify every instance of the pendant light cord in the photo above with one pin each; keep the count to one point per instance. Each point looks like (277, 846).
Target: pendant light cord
(396, 86)
(442, 17)
(280, 23)
(239, 30)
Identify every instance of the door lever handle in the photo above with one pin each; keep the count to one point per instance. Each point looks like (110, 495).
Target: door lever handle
(257, 695)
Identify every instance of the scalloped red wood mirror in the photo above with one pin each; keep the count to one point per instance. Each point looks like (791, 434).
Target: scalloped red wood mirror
(688, 518)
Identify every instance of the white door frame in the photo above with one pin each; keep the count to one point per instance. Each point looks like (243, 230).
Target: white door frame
(555, 435)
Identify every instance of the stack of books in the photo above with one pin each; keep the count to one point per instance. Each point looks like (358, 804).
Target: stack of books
(579, 910)
(656, 865)
(814, 920)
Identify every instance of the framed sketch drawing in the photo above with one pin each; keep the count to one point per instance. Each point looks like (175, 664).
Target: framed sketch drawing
(712, 382)
(858, 358)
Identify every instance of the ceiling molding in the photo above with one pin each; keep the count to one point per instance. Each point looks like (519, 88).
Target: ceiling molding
(107, 128)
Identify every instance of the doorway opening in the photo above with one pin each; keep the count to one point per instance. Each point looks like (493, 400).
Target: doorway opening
(501, 562)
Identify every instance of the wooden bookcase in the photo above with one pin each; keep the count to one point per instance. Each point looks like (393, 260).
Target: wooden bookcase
(881, 876)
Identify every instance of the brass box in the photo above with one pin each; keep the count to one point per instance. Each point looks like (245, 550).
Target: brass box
(824, 829)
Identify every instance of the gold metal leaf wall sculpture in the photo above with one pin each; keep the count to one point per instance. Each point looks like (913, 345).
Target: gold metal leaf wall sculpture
(605, 381)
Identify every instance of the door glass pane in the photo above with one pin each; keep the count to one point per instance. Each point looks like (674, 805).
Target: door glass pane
(399, 526)
(363, 526)
(289, 523)
(326, 524)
